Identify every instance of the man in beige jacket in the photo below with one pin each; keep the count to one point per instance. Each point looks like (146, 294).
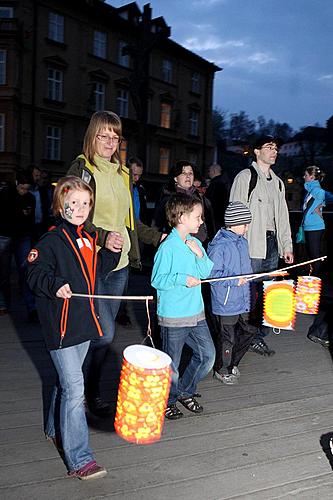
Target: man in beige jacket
(269, 235)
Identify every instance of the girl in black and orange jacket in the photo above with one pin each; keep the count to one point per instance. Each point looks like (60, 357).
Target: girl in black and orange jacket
(63, 262)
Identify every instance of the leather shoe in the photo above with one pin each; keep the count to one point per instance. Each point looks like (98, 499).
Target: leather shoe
(98, 407)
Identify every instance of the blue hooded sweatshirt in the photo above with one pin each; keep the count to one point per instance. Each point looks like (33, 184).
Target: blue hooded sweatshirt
(315, 197)
(230, 254)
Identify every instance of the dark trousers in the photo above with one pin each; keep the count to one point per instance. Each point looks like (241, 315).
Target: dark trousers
(313, 241)
(234, 339)
(270, 263)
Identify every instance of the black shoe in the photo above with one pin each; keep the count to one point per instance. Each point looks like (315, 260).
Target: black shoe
(124, 320)
(260, 347)
(98, 407)
(318, 340)
(172, 412)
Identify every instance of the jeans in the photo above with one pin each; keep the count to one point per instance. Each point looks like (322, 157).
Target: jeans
(72, 423)
(269, 263)
(22, 247)
(199, 340)
(5, 265)
(114, 283)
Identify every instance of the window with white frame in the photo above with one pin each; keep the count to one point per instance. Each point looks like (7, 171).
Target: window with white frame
(55, 79)
(99, 96)
(165, 120)
(6, 12)
(164, 160)
(56, 27)
(2, 132)
(53, 142)
(99, 44)
(195, 82)
(193, 122)
(122, 102)
(3, 58)
(167, 70)
(123, 59)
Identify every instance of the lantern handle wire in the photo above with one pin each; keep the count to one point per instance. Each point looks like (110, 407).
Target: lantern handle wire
(149, 335)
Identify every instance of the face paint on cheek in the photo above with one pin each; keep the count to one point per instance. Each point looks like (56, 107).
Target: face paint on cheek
(68, 211)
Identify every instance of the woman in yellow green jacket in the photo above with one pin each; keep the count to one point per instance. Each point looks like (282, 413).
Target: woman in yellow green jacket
(113, 219)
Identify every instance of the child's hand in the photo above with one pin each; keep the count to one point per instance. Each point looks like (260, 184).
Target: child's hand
(192, 281)
(241, 281)
(114, 241)
(64, 292)
(193, 245)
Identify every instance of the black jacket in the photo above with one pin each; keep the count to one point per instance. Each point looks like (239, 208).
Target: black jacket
(55, 261)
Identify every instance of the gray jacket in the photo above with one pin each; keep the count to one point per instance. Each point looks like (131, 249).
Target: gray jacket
(257, 205)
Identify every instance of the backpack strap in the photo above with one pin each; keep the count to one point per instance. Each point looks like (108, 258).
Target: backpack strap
(253, 181)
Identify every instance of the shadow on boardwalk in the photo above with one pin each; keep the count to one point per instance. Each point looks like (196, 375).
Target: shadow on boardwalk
(265, 438)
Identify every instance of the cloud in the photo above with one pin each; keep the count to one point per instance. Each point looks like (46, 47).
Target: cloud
(211, 42)
(261, 58)
(208, 3)
(325, 78)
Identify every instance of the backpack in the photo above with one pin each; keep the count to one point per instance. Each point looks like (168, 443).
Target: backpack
(253, 181)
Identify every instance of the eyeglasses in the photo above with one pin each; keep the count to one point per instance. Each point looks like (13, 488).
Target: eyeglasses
(271, 147)
(107, 138)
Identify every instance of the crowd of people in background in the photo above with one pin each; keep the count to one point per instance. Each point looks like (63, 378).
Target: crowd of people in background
(202, 228)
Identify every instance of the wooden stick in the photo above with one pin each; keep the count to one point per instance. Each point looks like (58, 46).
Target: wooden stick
(278, 272)
(114, 297)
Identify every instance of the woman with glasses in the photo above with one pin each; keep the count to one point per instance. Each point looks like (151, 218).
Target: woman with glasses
(112, 217)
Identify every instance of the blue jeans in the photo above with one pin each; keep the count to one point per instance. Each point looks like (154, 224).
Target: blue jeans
(71, 421)
(269, 263)
(114, 283)
(199, 340)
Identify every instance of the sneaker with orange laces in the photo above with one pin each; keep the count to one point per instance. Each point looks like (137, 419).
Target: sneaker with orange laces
(89, 471)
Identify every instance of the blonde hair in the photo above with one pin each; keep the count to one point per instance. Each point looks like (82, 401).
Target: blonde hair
(64, 185)
(99, 121)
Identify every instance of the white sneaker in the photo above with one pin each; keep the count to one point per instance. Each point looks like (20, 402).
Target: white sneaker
(235, 371)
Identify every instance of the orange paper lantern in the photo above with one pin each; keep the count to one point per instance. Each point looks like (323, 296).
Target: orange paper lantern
(308, 291)
(143, 393)
(279, 304)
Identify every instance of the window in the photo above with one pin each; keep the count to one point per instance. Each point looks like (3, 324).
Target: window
(123, 151)
(99, 96)
(53, 142)
(2, 132)
(3, 56)
(195, 82)
(167, 70)
(193, 122)
(122, 102)
(164, 160)
(54, 84)
(123, 59)
(165, 120)
(6, 12)
(56, 27)
(99, 44)
(193, 158)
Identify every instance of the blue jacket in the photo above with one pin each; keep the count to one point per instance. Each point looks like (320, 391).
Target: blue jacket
(316, 198)
(173, 262)
(230, 254)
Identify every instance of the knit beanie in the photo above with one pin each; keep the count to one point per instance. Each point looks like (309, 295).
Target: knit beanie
(237, 214)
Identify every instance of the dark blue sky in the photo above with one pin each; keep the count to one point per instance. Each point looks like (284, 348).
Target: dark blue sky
(276, 55)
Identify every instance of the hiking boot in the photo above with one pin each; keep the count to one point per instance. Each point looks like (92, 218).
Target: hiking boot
(260, 347)
(89, 471)
(318, 340)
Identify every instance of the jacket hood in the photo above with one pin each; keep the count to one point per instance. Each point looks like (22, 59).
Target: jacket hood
(310, 185)
(224, 234)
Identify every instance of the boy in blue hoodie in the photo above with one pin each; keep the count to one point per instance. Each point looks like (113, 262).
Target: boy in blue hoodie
(231, 299)
(179, 265)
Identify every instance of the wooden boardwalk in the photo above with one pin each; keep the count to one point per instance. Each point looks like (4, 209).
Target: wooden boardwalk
(261, 439)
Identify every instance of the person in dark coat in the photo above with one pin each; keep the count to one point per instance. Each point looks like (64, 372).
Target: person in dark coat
(218, 193)
(64, 262)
